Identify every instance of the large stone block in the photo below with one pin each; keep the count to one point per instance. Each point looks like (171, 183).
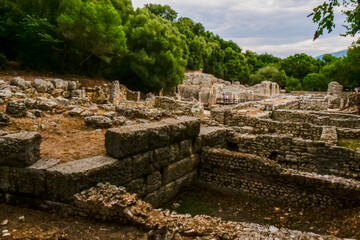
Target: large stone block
(142, 164)
(130, 140)
(64, 180)
(20, 149)
(179, 169)
(212, 137)
(8, 178)
(185, 148)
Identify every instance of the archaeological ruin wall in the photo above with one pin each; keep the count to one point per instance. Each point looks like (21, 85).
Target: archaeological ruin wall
(300, 154)
(263, 178)
(156, 160)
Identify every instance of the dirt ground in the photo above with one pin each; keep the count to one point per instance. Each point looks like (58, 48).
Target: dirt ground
(42, 225)
(63, 137)
(343, 223)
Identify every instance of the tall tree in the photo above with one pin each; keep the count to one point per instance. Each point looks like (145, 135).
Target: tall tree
(156, 59)
(93, 28)
(300, 65)
(164, 11)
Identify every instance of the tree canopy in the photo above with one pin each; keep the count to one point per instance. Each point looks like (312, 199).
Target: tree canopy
(324, 16)
(149, 49)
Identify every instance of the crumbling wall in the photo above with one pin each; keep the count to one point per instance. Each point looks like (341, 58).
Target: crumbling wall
(300, 154)
(264, 125)
(263, 178)
(340, 120)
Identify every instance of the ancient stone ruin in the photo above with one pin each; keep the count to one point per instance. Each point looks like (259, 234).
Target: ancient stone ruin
(262, 144)
(209, 90)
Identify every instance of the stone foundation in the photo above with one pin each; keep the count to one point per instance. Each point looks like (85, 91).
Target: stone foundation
(266, 179)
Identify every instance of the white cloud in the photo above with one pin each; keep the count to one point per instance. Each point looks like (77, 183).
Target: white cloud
(308, 46)
(275, 26)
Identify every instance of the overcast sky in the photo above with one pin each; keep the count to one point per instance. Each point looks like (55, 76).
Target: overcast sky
(279, 27)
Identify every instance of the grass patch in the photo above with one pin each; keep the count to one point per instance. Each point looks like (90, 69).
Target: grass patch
(193, 204)
(353, 144)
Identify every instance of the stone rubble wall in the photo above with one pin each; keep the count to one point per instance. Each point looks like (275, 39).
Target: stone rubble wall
(106, 202)
(339, 120)
(263, 178)
(302, 155)
(264, 125)
(116, 205)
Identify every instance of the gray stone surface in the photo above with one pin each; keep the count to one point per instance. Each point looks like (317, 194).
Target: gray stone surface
(19, 82)
(60, 84)
(98, 121)
(20, 149)
(66, 179)
(76, 112)
(40, 85)
(130, 140)
(16, 109)
(180, 168)
(4, 119)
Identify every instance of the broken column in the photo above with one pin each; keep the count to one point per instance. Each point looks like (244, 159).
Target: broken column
(115, 95)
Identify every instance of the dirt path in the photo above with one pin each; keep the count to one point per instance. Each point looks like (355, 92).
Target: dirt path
(42, 225)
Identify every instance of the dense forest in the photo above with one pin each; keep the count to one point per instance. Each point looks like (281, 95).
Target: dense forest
(148, 49)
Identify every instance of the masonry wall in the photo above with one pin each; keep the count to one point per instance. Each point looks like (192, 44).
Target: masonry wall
(317, 118)
(304, 155)
(155, 160)
(263, 125)
(263, 178)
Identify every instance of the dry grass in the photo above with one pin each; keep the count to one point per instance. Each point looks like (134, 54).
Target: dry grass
(353, 144)
(63, 137)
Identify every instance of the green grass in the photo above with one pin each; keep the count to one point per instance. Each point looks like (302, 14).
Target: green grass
(193, 204)
(353, 144)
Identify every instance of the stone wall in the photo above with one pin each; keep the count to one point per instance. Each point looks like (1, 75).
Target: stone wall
(162, 156)
(209, 90)
(264, 125)
(300, 154)
(340, 120)
(263, 178)
(155, 160)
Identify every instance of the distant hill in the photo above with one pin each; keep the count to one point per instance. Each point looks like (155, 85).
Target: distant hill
(335, 54)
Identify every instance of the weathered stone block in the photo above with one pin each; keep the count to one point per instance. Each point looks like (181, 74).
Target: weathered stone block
(179, 169)
(16, 109)
(131, 140)
(183, 183)
(20, 149)
(153, 182)
(136, 186)
(8, 179)
(64, 180)
(211, 137)
(141, 164)
(31, 181)
(174, 152)
(161, 157)
(185, 149)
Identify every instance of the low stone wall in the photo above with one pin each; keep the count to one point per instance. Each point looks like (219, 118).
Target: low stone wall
(264, 178)
(300, 154)
(314, 104)
(155, 160)
(263, 125)
(340, 120)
